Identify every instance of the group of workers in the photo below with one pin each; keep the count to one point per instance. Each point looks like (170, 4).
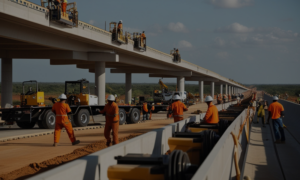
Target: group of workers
(111, 111)
(63, 4)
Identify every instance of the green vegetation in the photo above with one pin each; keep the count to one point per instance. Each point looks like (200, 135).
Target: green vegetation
(292, 90)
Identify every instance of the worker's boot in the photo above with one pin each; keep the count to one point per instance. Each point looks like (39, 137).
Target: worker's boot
(55, 144)
(75, 142)
(107, 144)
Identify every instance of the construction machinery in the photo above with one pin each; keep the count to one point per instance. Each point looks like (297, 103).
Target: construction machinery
(163, 95)
(117, 34)
(31, 97)
(176, 55)
(139, 41)
(66, 14)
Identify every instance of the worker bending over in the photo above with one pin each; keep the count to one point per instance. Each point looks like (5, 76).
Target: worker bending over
(276, 111)
(61, 109)
(111, 111)
(145, 111)
(177, 108)
(212, 115)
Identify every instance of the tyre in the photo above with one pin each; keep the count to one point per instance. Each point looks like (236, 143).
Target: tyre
(134, 116)
(82, 118)
(122, 115)
(40, 124)
(49, 120)
(26, 125)
(71, 118)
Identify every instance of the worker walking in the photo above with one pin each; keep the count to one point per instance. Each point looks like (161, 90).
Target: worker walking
(177, 108)
(61, 109)
(111, 111)
(261, 112)
(145, 111)
(276, 111)
(212, 115)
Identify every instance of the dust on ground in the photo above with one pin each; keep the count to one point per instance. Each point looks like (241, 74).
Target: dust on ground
(36, 168)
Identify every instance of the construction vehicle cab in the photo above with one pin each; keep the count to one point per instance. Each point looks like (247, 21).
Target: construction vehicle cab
(162, 95)
(31, 97)
(78, 93)
(117, 34)
(63, 13)
(176, 55)
(139, 41)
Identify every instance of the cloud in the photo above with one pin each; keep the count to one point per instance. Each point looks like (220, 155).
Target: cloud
(184, 44)
(234, 28)
(177, 27)
(230, 3)
(219, 42)
(222, 55)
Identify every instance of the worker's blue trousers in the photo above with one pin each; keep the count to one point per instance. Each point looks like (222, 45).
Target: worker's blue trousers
(278, 129)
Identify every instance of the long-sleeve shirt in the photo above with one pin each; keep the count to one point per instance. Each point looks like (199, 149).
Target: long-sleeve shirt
(111, 112)
(212, 115)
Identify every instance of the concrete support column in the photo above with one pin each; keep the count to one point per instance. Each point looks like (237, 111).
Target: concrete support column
(212, 89)
(229, 90)
(6, 81)
(221, 90)
(100, 82)
(201, 87)
(226, 89)
(180, 84)
(128, 90)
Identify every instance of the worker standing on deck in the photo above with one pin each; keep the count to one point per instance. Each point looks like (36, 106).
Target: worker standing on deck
(143, 38)
(261, 112)
(145, 111)
(61, 109)
(120, 27)
(177, 108)
(64, 7)
(276, 111)
(212, 115)
(111, 111)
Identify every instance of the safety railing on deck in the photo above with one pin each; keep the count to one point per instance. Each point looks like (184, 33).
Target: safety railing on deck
(107, 33)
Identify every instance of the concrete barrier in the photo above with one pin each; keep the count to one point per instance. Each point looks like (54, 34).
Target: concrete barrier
(94, 166)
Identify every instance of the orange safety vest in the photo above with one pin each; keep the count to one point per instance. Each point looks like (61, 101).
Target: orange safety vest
(111, 112)
(61, 110)
(145, 107)
(178, 107)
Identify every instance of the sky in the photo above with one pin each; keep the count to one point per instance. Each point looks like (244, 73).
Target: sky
(250, 41)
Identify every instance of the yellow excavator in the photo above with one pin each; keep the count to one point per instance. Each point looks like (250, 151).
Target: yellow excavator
(176, 55)
(31, 97)
(117, 33)
(162, 95)
(62, 13)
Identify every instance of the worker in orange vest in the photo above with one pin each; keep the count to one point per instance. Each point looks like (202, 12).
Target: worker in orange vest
(111, 111)
(212, 115)
(145, 111)
(143, 37)
(177, 108)
(64, 7)
(229, 97)
(61, 109)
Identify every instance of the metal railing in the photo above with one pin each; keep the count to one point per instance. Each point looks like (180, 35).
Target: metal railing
(107, 33)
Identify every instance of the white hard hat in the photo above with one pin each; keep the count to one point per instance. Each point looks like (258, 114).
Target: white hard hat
(176, 97)
(208, 99)
(62, 97)
(111, 98)
(120, 21)
(275, 98)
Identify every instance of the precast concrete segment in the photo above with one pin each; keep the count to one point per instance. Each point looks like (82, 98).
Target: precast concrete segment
(212, 88)
(128, 85)
(6, 82)
(201, 87)
(100, 81)
(154, 142)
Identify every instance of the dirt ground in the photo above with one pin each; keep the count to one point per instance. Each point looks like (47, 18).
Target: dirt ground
(25, 157)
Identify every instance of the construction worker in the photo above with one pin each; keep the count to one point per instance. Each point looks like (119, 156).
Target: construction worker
(177, 108)
(120, 27)
(145, 111)
(229, 97)
(261, 112)
(111, 111)
(61, 109)
(276, 112)
(212, 115)
(170, 112)
(224, 98)
(64, 7)
(143, 38)
(219, 99)
(151, 109)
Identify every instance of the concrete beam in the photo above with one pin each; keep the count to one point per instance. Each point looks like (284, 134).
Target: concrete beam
(201, 79)
(172, 73)
(106, 57)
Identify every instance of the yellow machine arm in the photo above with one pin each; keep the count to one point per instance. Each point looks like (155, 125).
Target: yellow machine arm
(162, 85)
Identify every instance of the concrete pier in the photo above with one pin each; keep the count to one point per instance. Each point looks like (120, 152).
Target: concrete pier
(100, 82)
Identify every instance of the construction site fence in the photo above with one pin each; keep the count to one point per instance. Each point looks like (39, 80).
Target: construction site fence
(95, 165)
